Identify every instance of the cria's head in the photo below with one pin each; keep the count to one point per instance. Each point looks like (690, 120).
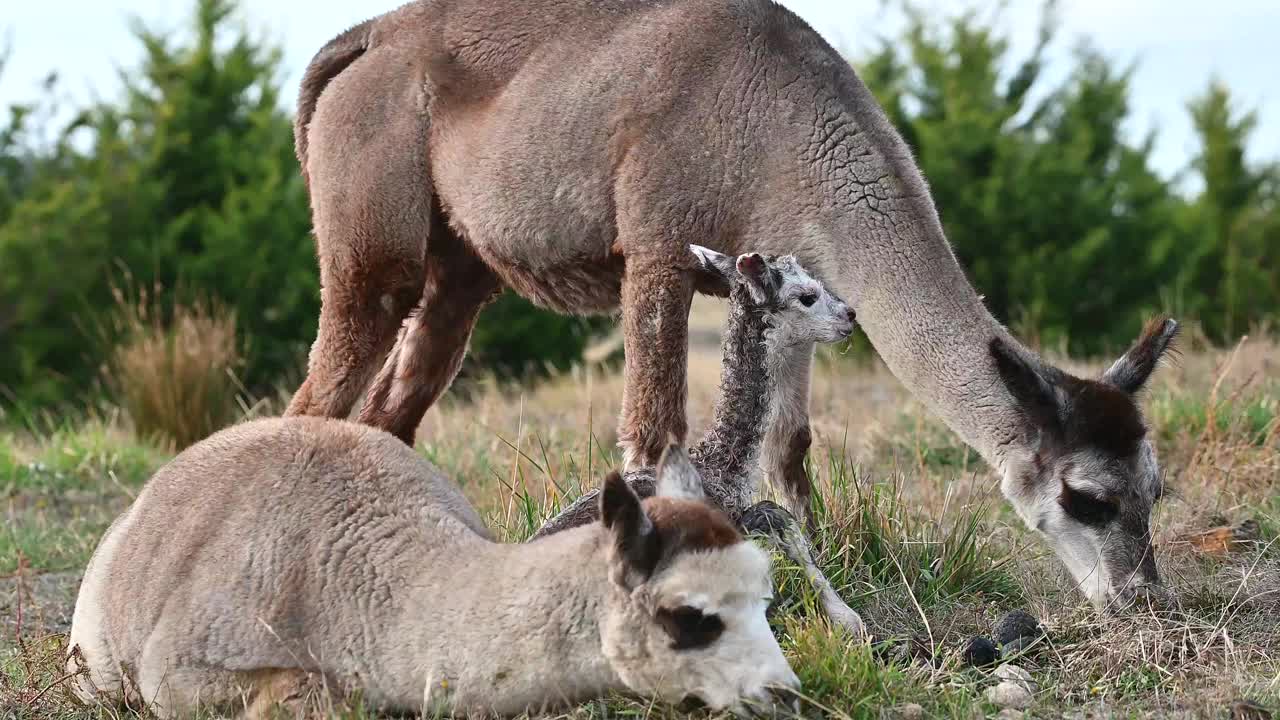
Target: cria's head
(799, 308)
(687, 617)
(1091, 479)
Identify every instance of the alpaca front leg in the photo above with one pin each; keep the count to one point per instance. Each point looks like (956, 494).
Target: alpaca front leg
(656, 295)
(781, 528)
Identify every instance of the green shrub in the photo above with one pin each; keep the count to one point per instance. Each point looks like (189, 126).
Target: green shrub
(515, 339)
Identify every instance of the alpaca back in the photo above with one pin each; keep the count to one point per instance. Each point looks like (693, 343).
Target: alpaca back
(291, 534)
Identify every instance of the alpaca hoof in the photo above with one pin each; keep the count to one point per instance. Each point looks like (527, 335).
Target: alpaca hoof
(845, 618)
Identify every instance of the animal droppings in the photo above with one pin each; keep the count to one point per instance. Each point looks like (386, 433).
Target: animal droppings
(980, 652)
(1015, 630)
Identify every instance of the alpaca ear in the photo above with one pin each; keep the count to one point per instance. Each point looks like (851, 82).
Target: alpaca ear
(636, 545)
(762, 280)
(715, 271)
(1131, 372)
(677, 477)
(1035, 394)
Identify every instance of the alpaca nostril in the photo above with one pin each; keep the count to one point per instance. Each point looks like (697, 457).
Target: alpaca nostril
(853, 316)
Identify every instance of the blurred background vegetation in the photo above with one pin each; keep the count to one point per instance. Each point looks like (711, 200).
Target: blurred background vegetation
(184, 193)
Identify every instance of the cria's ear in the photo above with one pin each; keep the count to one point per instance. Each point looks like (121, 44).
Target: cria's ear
(762, 281)
(636, 544)
(715, 271)
(1033, 392)
(1134, 368)
(677, 477)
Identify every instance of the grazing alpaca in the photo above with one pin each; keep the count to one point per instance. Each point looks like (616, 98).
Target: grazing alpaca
(776, 309)
(572, 151)
(283, 553)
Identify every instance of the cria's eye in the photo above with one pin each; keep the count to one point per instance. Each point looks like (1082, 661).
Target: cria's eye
(689, 627)
(808, 299)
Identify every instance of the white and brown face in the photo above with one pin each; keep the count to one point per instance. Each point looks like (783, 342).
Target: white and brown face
(687, 619)
(1092, 479)
(799, 308)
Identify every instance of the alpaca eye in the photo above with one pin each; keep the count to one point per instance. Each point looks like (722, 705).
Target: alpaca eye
(689, 627)
(1086, 508)
(808, 299)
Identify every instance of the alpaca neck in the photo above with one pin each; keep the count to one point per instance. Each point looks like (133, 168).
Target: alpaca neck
(522, 627)
(925, 320)
(730, 449)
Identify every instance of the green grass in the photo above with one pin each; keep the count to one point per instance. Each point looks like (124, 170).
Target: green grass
(911, 531)
(879, 540)
(63, 490)
(1251, 417)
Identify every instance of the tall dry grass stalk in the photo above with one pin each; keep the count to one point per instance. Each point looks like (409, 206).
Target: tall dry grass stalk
(174, 373)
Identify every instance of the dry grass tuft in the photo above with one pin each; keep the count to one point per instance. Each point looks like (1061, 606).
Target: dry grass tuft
(174, 372)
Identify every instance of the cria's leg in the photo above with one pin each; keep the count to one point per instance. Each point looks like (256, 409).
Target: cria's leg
(284, 694)
(434, 341)
(787, 441)
(780, 527)
(586, 509)
(656, 294)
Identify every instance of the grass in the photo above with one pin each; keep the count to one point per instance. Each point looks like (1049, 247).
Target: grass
(912, 532)
(173, 370)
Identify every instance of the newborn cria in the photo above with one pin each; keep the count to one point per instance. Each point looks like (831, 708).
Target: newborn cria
(775, 309)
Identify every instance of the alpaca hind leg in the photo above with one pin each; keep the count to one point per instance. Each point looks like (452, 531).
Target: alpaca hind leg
(781, 528)
(371, 196)
(432, 345)
(787, 441)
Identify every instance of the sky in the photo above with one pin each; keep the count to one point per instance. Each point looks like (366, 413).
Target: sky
(1178, 45)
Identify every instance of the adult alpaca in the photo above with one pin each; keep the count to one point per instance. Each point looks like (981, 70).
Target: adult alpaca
(573, 151)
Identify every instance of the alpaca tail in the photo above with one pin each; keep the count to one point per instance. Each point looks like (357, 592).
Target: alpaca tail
(336, 56)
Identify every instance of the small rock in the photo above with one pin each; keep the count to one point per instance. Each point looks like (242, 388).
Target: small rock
(1010, 673)
(910, 711)
(1009, 714)
(1010, 695)
(980, 652)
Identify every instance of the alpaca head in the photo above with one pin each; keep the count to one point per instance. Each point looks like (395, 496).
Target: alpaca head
(1089, 477)
(798, 307)
(686, 617)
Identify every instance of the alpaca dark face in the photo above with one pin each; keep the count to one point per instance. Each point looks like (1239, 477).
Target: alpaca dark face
(1092, 480)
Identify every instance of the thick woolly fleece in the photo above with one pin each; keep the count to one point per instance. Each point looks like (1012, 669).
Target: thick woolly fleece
(285, 547)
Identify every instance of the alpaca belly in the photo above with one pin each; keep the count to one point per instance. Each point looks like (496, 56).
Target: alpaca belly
(552, 251)
(583, 286)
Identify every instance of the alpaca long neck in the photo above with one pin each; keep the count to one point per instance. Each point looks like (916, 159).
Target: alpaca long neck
(523, 627)
(892, 262)
(731, 447)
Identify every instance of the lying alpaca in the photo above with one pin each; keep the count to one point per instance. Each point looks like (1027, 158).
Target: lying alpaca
(284, 552)
(776, 309)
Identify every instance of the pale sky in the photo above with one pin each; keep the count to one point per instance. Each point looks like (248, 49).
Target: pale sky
(1179, 44)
